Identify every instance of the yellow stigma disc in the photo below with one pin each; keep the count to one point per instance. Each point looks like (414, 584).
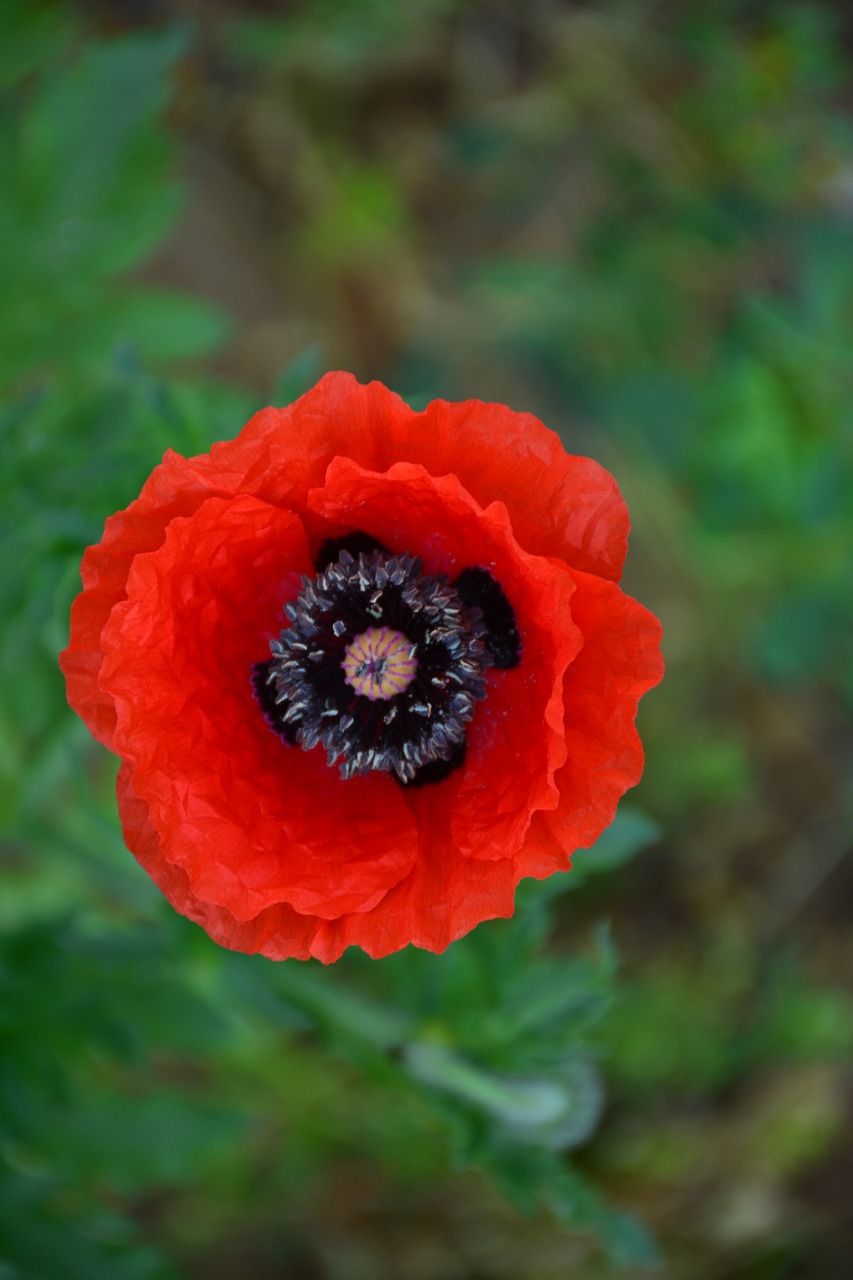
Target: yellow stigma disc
(379, 663)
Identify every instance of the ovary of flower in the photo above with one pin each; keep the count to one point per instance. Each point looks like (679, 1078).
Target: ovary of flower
(379, 663)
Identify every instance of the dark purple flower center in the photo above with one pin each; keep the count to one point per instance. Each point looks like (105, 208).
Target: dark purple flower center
(384, 665)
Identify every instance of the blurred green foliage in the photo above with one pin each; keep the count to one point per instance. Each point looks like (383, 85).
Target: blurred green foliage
(635, 221)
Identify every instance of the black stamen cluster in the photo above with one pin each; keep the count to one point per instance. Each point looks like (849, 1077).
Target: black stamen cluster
(479, 590)
(419, 734)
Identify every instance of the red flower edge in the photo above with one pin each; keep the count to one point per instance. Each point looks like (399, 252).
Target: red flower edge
(262, 843)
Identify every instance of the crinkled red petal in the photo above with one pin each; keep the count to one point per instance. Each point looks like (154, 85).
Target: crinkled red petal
(279, 932)
(445, 895)
(559, 504)
(250, 821)
(438, 901)
(104, 572)
(619, 662)
(516, 741)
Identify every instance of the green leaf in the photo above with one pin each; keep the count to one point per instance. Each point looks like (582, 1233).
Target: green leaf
(33, 34)
(90, 152)
(162, 325)
(629, 834)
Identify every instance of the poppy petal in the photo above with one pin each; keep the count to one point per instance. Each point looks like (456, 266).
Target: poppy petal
(619, 662)
(509, 771)
(578, 513)
(279, 931)
(249, 820)
(436, 904)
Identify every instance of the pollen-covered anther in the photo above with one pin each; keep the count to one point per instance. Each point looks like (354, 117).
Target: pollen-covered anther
(379, 663)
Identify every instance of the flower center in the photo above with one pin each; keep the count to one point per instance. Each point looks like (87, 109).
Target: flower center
(380, 663)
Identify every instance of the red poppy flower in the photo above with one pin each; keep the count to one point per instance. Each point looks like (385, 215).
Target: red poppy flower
(366, 668)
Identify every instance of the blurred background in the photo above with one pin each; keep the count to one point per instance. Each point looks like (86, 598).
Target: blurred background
(633, 219)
